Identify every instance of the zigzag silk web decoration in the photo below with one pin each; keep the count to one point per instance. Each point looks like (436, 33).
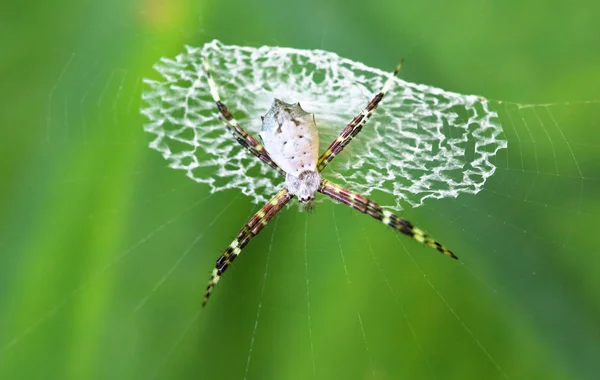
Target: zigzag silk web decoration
(423, 142)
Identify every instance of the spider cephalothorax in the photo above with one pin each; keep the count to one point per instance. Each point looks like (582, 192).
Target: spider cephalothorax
(304, 186)
(291, 144)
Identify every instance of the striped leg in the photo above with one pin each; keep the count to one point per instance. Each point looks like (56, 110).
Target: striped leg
(242, 137)
(355, 125)
(371, 208)
(251, 229)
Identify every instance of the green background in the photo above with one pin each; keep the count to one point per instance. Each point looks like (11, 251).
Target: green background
(105, 251)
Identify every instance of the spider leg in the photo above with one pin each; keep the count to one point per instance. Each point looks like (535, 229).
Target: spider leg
(245, 139)
(250, 229)
(355, 125)
(371, 208)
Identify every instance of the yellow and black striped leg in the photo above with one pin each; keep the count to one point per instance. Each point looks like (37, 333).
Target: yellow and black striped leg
(251, 229)
(245, 139)
(371, 208)
(355, 125)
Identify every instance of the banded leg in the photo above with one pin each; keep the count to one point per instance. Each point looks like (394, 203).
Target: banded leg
(355, 125)
(242, 137)
(371, 208)
(251, 229)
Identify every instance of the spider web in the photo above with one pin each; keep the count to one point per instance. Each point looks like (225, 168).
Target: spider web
(422, 142)
(110, 267)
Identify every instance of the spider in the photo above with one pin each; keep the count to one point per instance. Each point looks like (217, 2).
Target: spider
(291, 144)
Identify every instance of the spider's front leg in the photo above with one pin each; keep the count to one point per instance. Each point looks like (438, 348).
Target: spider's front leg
(355, 125)
(251, 229)
(366, 206)
(244, 138)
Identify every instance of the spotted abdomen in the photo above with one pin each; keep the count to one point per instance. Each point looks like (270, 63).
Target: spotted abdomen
(290, 137)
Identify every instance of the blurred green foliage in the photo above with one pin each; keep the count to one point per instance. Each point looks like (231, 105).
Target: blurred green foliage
(106, 251)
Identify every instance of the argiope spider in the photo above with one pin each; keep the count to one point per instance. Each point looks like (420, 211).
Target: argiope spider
(291, 144)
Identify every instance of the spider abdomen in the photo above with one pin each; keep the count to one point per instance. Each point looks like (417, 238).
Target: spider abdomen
(290, 137)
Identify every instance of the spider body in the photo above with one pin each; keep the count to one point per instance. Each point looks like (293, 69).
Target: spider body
(304, 186)
(291, 139)
(291, 143)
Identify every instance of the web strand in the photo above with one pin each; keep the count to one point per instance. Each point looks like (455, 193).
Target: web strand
(451, 309)
(262, 292)
(51, 95)
(339, 240)
(185, 253)
(397, 300)
(62, 303)
(308, 313)
(362, 329)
